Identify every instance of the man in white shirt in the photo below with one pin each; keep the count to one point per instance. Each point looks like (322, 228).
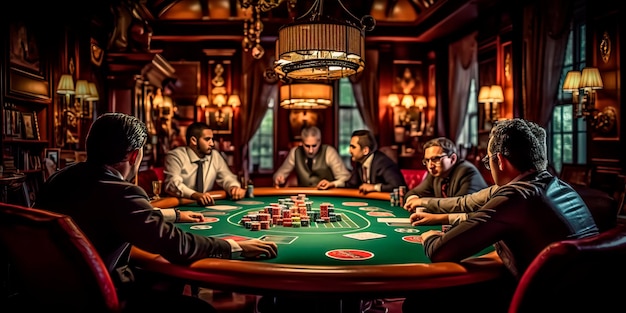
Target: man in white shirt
(182, 164)
(315, 164)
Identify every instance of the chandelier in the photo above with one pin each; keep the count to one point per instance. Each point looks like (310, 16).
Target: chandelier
(253, 26)
(306, 95)
(317, 47)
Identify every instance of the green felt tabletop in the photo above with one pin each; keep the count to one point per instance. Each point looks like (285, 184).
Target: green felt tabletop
(309, 244)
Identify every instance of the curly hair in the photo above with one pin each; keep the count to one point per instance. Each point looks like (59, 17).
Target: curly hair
(520, 141)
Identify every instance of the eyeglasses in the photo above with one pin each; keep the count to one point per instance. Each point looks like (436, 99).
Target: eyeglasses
(486, 160)
(435, 159)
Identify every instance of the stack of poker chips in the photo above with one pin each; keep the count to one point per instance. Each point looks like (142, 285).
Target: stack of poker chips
(401, 193)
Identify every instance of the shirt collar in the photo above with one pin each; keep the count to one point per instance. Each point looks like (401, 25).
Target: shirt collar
(368, 161)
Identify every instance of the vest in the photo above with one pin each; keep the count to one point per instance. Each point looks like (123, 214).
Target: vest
(320, 170)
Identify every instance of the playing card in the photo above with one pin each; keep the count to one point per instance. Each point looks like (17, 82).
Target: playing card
(364, 235)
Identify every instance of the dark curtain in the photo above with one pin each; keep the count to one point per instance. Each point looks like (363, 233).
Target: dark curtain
(365, 87)
(462, 69)
(257, 87)
(546, 26)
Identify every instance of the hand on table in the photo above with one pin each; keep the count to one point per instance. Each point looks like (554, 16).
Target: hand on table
(324, 184)
(190, 217)
(420, 218)
(412, 203)
(203, 198)
(429, 233)
(279, 181)
(365, 188)
(237, 193)
(255, 248)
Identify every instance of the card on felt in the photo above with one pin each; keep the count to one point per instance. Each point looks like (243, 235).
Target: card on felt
(393, 220)
(279, 239)
(365, 235)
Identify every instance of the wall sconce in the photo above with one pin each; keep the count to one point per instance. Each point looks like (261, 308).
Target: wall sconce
(219, 100)
(491, 96)
(583, 86)
(306, 96)
(409, 112)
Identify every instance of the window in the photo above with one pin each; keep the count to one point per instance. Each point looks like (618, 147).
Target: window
(349, 119)
(262, 143)
(469, 136)
(567, 135)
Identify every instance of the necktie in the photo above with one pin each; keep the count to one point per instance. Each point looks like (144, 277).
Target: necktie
(309, 163)
(365, 180)
(200, 176)
(444, 188)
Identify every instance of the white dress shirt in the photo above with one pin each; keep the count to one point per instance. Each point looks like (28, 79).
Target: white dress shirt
(180, 172)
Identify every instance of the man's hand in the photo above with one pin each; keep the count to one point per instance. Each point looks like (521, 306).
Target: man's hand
(431, 233)
(255, 248)
(280, 180)
(190, 217)
(412, 203)
(365, 188)
(203, 198)
(422, 218)
(324, 184)
(237, 193)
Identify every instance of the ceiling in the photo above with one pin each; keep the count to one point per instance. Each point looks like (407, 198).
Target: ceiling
(396, 20)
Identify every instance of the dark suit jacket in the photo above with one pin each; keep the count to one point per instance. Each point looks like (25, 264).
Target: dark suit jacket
(384, 171)
(464, 179)
(115, 214)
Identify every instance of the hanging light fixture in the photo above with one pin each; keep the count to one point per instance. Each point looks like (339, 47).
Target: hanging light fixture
(305, 95)
(253, 26)
(317, 47)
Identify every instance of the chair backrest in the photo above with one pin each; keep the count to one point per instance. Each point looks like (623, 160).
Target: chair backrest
(413, 177)
(577, 275)
(52, 264)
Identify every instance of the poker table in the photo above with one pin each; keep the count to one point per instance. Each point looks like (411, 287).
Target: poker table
(386, 258)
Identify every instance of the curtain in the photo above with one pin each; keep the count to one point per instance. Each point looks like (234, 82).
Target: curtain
(545, 32)
(462, 68)
(365, 87)
(258, 86)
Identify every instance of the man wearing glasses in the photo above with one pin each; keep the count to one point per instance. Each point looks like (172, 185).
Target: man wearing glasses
(316, 164)
(448, 176)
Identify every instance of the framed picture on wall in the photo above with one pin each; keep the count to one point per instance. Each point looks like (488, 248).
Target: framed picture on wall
(29, 123)
(408, 77)
(27, 76)
(220, 121)
(54, 154)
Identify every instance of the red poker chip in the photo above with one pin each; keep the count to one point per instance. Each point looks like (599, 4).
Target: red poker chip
(413, 239)
(349, 254)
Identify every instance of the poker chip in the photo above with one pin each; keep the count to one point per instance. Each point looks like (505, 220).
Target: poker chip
(349, 254)
(413, 239)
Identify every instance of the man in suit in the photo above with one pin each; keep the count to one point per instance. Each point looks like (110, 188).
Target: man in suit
(116, 215)
(448, 176)
(316, 164)
(374, 171)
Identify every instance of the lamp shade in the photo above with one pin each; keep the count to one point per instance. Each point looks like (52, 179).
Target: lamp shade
(234, 101)
(483, 94)
(407, 101)
(590, 78)
(496, 94)
(420, 102)
(306, 96)
(93, 92)
(572, 81)
(66, 85)
(319, 51)
(219, 99)
(202, 101)
(393, 99)
(82, 89)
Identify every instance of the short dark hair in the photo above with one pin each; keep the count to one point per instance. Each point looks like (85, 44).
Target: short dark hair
(195, 130)
(366, 139)
(311, 131)
(112, 136)
(520, 142)
(447, 145)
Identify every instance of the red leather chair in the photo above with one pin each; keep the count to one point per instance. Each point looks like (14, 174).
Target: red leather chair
(413, 177)
(579, 275)
(51, 264)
